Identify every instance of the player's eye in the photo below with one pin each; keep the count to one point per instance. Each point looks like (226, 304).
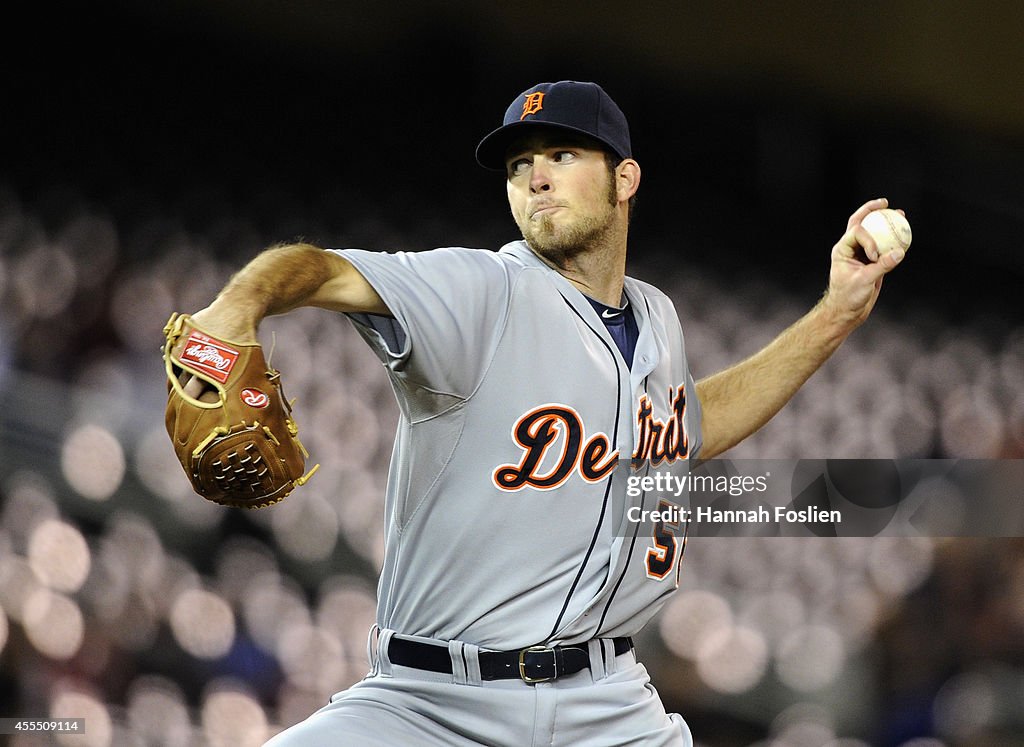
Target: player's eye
(518, 167)
(564, 156)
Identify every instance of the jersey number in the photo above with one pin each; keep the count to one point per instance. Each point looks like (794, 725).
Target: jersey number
(666, 551)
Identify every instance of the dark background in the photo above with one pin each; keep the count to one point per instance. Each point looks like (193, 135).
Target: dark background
(760, 126)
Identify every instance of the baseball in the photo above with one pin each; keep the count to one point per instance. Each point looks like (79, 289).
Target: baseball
(889, 229)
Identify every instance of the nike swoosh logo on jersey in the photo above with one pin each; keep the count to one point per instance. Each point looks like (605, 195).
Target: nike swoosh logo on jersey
(610, 314)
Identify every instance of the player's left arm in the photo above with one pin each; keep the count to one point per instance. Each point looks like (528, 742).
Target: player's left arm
(736, 402)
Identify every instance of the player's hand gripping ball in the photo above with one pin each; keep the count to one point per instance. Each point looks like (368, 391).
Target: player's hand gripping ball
(234, 436)
(889, 229)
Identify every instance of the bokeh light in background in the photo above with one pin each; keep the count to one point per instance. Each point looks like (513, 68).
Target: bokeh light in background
(71, 700)
(167, 620)
(59, 555)
(53, 623)
(232, 716)
(93, 462)
(158, 711)
(203, 624)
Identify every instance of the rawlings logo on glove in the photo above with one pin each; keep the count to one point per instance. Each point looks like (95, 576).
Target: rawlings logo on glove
(210, 356)
(237, 440)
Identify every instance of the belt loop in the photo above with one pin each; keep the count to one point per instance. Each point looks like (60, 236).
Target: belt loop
(472, 653)
(595, 647)
(371, 647)
(459, 673)
(383, 662)
(465, 663)
(608, 648)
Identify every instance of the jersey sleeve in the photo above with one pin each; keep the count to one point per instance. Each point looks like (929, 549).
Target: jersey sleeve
(449, 307)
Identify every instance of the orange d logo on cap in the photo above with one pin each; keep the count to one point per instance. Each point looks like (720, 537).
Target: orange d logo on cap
(533, 104)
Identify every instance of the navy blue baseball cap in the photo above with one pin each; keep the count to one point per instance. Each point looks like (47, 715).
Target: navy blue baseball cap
(570, 105)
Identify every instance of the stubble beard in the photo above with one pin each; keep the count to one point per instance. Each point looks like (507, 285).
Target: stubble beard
(561, 243)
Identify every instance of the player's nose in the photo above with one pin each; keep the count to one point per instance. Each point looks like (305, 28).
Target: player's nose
(540, 175)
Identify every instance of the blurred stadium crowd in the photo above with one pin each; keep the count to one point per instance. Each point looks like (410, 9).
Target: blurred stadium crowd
(165, 620)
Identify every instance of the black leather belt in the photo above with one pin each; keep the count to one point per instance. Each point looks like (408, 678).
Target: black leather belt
(533, 664)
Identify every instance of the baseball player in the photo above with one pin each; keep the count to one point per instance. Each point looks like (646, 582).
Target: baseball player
(511, 585)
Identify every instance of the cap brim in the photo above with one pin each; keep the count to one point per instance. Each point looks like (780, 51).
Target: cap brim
(491, 151)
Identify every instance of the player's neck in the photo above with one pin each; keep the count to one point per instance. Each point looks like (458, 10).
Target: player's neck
(598, 272)
(603, 284)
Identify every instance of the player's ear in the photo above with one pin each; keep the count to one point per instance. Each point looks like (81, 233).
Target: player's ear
(627, 179)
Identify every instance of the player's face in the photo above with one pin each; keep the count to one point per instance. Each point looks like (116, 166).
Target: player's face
(561, 193)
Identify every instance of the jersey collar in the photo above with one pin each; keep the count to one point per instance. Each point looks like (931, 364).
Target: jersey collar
(632, 288)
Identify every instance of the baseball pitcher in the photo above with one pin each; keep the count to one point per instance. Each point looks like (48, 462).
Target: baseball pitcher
(529, 380)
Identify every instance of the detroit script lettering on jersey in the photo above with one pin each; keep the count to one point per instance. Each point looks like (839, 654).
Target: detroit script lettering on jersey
(661, 441)
(555, 445)
(537, 432)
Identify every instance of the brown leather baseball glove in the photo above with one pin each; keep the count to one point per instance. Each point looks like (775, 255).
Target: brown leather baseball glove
(235, 438)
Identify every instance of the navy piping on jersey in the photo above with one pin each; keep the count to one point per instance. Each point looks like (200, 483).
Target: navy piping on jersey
(608, 482)
(636, 531)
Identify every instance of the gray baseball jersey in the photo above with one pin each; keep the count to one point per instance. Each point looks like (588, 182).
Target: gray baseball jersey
(516, 409)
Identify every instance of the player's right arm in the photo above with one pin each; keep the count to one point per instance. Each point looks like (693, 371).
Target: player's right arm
(286, 277)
